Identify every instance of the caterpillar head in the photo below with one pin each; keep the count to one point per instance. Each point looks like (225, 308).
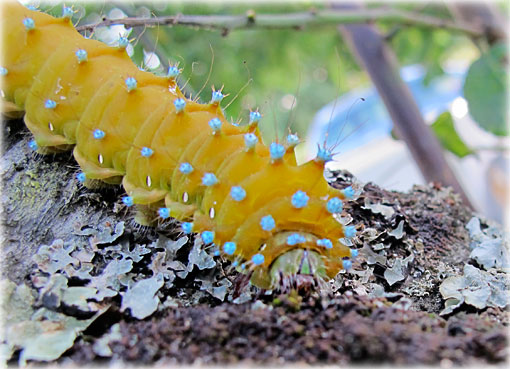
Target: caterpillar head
(302, 263)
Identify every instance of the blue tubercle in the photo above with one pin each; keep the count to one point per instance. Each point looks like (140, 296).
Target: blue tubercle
(295, 239)
(238, 193)
(325, 242)
(300, 199)
(257, 259)
(235, 263)
(179, 104)
(347, 264)
(354, 253)
(29, 24)
(33, 145)
(187, 227)
(229, 248)
(324, 154)
(98, 134)
(81, 177)
(254, 117)
(3, 71)
(185, 168)
(123, 42)
(128, 201)
(209, 179)
(81, 55)
(349, 192)
(217, 96)
(146, 152)
(216, 253)
(350, 231)
(173, 71)
(50, 104)
(267, 223)
(243, 266)
(215, 124)
(130, 84)
(164, 213)
(292, 140)
(67, 12)
(250, 140)
(207, 237)
(334, 205)
(276, 151)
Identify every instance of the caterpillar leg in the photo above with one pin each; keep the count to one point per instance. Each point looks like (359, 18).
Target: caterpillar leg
(94, 171)
(146, 215)
(178, 210)
(11, 110)
(57, 142)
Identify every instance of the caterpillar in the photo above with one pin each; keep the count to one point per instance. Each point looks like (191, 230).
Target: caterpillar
(175, 157)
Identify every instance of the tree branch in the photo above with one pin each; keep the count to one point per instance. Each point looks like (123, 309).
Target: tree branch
(299, 20)
(381, 64)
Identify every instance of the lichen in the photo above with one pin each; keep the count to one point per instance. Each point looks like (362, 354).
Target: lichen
(141, 298)
(42, 335)
(489, 246)
(477, 288)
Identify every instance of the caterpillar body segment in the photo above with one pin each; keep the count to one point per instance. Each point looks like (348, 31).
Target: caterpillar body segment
(174, 157)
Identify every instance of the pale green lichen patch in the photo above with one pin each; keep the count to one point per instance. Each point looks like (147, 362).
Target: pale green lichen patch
(199, 257)
(110, 265)
(108, 283)
(141, 298)
(489, 246)
(397, 272)
(103, 235)
(378, 208)
(42, 335)
(101, 346)
(55, 257)
(477, 288)
(398, 232)
(219, 290)
(57, 292)
(48, 335)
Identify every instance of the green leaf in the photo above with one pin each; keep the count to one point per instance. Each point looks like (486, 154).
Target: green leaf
(484, 90)
(445, 131)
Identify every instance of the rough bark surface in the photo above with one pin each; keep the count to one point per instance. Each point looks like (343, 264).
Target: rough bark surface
(359, 317)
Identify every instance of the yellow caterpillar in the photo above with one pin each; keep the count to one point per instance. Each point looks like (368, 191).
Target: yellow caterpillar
(174, 157)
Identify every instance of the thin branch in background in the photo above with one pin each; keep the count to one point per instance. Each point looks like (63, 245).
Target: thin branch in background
(300, 20)
(380, 62)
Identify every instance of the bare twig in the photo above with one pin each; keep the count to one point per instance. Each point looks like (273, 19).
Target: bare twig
(483, 15)
(299, 20)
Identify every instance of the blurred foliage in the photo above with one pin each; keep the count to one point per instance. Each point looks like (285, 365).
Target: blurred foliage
(445, 131)
(484, 90)
(312, 65)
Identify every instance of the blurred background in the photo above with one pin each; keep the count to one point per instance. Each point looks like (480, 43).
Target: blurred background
(310, 79)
